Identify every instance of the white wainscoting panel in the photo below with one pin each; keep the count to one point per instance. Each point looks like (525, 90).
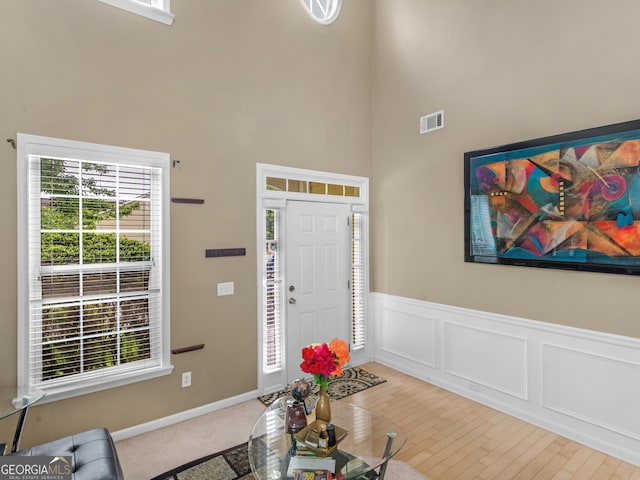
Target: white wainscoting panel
(486, 358)
(581, 384)
(411, 337)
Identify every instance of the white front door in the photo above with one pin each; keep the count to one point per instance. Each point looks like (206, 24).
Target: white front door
(318, 270)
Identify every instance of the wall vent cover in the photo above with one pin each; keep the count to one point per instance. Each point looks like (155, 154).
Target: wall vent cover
(431, 122)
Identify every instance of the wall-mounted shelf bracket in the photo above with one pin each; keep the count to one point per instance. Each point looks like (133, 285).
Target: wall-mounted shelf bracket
(190, 348)
(225, 252)
(195, 201)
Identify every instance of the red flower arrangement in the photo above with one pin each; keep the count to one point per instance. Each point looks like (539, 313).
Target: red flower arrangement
(324, 361)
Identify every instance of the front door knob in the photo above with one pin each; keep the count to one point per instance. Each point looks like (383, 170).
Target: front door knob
(292, 301)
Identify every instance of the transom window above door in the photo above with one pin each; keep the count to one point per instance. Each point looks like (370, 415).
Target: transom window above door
(313, 187)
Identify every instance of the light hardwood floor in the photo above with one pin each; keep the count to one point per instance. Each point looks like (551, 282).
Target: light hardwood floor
(451, 437)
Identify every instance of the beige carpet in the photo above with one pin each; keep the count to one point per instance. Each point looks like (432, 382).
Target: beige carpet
(148, 455)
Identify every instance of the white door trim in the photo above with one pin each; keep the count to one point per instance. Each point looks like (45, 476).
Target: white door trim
(275, 380)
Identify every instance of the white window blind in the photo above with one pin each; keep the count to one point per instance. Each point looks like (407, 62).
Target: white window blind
(358, 283)
(272, 309)
(94, 291)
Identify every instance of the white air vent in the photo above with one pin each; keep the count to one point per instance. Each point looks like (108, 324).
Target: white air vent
(431, 122)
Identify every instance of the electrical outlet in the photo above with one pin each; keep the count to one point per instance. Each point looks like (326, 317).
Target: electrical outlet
(186, 379)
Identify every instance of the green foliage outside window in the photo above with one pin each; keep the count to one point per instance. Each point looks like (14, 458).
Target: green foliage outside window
(84, 335)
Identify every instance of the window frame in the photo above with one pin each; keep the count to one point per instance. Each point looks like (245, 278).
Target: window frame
(158, 10)
(334, 7)
(37, 146)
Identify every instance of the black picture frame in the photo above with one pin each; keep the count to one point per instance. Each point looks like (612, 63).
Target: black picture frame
(569, 201)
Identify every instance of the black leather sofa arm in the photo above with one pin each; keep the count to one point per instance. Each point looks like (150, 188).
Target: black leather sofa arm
(93, 454)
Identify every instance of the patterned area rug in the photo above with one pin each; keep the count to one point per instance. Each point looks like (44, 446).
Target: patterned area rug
(230, 464)
(233, 464)
(354, 380)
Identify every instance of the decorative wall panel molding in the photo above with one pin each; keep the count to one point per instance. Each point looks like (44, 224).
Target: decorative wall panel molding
(418, 347)
(581, 384)
(487, 358)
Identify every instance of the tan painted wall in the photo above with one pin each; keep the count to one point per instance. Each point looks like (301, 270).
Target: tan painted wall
(504, 71)
(235, 82)
(231, 83)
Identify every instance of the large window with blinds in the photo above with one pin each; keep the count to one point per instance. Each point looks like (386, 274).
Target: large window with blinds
(93, 257)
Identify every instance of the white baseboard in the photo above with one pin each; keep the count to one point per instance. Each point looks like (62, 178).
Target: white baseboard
(581, 384)
(182, 416)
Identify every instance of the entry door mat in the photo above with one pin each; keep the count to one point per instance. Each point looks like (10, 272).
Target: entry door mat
(354, 380)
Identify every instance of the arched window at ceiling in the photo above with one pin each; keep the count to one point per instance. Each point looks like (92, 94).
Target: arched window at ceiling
(323, 11)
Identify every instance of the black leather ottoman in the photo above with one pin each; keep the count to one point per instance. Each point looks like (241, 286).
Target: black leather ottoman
(93, 454)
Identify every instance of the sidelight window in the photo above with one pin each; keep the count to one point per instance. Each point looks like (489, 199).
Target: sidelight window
(272, 311)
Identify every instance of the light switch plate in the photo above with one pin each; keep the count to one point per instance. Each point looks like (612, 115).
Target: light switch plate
(225, 288)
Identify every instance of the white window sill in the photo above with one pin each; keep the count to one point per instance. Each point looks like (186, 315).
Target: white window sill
(143, 10)
(60, 393)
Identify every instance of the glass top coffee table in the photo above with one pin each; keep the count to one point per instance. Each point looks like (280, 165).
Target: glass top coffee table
(370, 442)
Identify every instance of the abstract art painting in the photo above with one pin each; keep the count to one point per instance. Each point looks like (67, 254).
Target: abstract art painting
(570, 201)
